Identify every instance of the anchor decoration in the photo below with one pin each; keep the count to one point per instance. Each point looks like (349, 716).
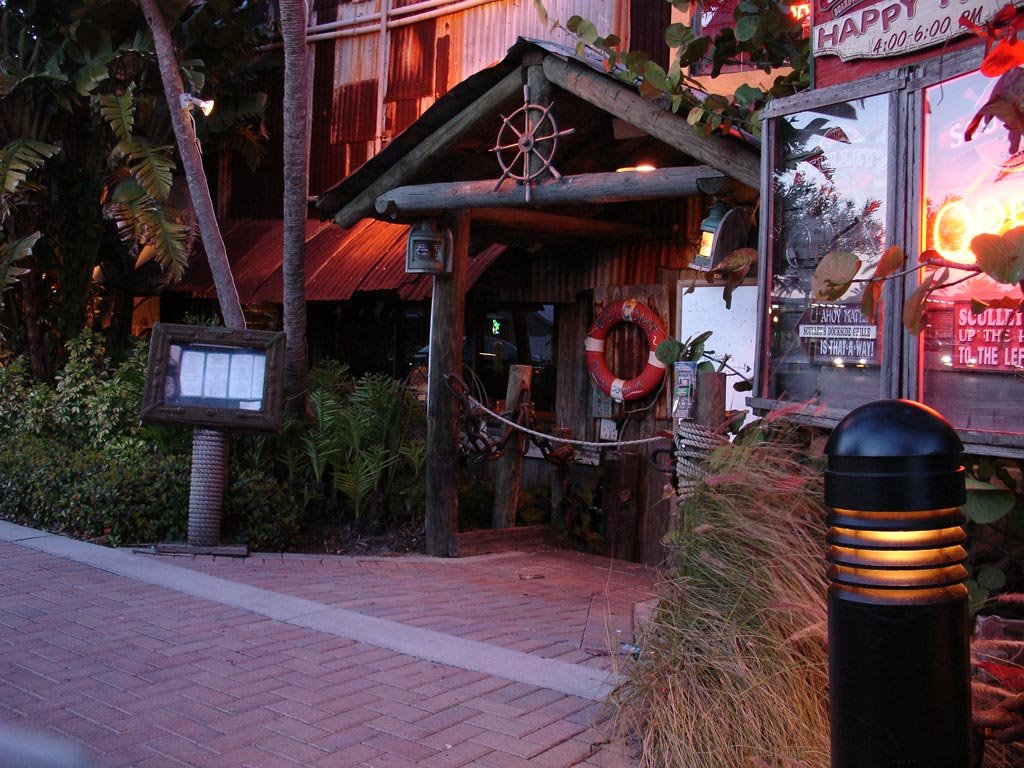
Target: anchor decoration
(530, 131)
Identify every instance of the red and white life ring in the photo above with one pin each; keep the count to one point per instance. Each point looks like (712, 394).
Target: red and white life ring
(628, 311)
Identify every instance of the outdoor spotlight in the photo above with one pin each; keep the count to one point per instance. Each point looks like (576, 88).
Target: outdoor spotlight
(898, 638)
(429, 249)
(189, 102)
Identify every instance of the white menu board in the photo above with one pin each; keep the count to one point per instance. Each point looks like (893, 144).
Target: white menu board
(204, 372)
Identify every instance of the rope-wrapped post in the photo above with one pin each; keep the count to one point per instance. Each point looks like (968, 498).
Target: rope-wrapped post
(206, 493)
(694, 443)
(696, 438)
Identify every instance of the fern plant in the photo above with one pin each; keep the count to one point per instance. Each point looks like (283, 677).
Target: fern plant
(359, 478)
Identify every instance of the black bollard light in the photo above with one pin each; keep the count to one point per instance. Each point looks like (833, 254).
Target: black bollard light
(899, 656)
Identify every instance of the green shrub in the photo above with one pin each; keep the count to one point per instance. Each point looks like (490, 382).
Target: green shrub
(26, 406)
(364, 452)
(144, 498)
(95, 400)
(125, 492)
(534, 506)
(262, 512)
(476, 503)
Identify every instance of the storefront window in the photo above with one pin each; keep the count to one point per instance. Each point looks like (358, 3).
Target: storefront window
(495, 339)
(830, 177)
(504, 337)
(974, 184)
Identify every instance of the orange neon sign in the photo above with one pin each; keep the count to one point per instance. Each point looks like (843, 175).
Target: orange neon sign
(800, 10)
(958, 222)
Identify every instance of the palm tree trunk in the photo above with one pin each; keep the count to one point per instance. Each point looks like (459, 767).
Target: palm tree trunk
(209, 448)
(294, 15)
(35, 339)
(192, 161)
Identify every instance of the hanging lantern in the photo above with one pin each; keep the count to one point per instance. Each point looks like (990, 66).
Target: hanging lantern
(429, 249)
(723, 231)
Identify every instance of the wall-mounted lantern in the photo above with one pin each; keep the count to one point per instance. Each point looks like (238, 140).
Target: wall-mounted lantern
(723, 230)
(429, 249)
(898, 638)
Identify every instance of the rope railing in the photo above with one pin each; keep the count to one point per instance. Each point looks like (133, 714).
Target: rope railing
(567, 440)
(477, 443)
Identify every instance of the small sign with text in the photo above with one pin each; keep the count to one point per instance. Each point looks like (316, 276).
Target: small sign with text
(990, 341)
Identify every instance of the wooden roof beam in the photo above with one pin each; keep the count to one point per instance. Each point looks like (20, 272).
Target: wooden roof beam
(552, 227)
(445, 137)
(730, 158)
(593, 188)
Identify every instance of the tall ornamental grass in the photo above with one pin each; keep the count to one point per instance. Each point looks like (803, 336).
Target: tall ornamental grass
(733, 671)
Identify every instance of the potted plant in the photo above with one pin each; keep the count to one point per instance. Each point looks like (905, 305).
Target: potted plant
(687, 358)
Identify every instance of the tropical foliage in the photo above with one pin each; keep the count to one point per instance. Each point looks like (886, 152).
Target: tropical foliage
(732, 668)
(74, 458)
(363, 453)
(87, 157)
(765, 35)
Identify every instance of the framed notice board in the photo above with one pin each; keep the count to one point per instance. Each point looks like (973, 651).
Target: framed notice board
(214, 378)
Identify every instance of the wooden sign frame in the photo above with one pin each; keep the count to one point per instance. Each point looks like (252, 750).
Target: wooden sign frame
(218, 378)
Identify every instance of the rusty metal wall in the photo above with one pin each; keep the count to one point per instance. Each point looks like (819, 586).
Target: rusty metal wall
(647, 22)
(486, 32)
(425, 59)
(411, 61)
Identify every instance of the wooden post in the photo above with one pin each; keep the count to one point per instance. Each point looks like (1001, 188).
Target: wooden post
(594, 188)
(709, 411)
(446, 136)
(447, 310)
(648, 115)
(621, 503)
(509, 471)
(561, 477)
(540, 93)
(710, 405)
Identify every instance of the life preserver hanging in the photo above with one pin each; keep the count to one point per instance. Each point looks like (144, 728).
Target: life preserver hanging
(628, 311)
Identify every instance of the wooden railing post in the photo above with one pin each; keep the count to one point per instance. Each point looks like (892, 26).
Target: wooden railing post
(509, 471)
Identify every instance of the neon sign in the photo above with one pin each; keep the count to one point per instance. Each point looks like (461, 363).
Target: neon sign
(958, 222)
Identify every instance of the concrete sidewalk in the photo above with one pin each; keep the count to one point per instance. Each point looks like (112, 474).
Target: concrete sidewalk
(492, 661)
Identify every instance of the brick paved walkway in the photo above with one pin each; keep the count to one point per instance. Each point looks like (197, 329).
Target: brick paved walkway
(305, 662)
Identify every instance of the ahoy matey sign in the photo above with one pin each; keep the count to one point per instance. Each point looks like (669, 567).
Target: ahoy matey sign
(873, 29)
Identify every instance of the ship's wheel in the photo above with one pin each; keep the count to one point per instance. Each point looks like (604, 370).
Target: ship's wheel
(529, 132)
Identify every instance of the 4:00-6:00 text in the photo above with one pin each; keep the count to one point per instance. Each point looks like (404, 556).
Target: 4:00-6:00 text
(898, 40)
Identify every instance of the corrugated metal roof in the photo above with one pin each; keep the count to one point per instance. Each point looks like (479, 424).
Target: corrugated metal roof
(344, 261)
(368, 257)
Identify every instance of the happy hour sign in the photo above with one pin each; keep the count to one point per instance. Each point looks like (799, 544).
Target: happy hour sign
(872, 29)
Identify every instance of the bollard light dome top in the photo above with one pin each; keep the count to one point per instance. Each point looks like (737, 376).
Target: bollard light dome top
(893, 428)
